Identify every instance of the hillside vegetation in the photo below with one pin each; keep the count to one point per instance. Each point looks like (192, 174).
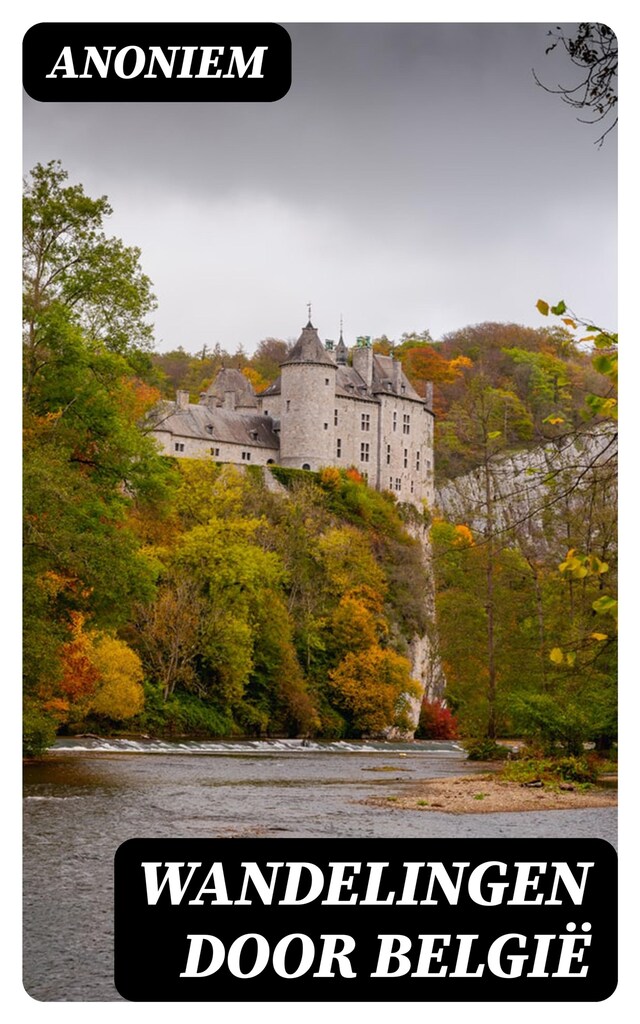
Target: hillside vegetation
(186, 597)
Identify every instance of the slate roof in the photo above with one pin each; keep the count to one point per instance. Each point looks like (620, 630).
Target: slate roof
(349, 383)
(309, 349)
(232, 380)
(224, 425)
(384, 381)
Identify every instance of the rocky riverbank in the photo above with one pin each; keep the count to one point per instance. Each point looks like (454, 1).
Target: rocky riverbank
(487, 793)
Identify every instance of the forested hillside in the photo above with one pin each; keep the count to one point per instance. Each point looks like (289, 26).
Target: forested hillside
(187, 597)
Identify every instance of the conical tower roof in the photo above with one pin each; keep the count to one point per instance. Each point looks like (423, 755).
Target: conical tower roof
(309, 349)
(342, 351)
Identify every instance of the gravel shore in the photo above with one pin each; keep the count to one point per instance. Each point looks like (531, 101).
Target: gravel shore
(484, 794)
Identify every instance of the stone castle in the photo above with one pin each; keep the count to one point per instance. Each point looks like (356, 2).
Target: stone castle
(321, 411)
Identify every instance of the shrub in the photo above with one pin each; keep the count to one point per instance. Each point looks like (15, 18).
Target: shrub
(485, 750)
(437, 722)
(551, 770)
(39, 731)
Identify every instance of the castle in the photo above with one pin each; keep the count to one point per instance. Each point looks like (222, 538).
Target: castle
(321, 411)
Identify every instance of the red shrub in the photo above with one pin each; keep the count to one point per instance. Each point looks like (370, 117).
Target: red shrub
(437, 722)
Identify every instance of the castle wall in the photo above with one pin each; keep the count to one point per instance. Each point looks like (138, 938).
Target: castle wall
(406, 449)
(218, 451)
(352, 433)
(307, 431)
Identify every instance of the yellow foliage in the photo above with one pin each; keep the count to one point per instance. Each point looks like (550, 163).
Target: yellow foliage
(119, 693)
(349, 561)
(374, 687)
(354, 626)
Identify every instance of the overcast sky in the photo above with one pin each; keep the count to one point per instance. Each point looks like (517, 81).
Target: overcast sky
(414, 177)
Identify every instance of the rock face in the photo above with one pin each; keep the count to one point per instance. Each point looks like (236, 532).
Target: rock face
(423, 655)
(525, 483)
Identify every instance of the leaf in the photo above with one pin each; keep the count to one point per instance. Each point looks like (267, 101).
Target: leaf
(556, 656)
(603, 364)
(569, 322)
(559, 309)
(542, 307)
(599, 636)
(606, 606)
(553, 420)
(492, 435)
(571, 658)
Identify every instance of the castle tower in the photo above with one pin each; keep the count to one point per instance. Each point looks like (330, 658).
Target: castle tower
(341, 351)
(308, 388)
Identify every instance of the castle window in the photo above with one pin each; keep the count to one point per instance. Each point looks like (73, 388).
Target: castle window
(406, 424)
(364, 452)
(412, 486)
(209, 428)
(390, 483)
(388, 455)
(266, 412)
(288, 405)
(398, 483)
(395, 421)
(326, 380)
(246, 456)
(215, 452)
(365, 421)
(326, 426)
(178, 446)
(403, 389)
(269, 462)
(335, 417)
(339, 448)
(417, 460)
(428, 463)
(406, 457)
(305, 465)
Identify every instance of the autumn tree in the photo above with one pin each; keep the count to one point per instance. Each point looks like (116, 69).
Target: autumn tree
(374, 689)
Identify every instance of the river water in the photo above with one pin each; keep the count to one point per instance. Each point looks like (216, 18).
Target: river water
(91, 795)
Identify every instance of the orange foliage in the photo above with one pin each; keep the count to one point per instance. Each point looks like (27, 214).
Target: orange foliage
(135, 398)
(374, 687)
(352, 474)
(330, 477)
(79, 674)
(464, 537)
(258, 382)
(424, 363)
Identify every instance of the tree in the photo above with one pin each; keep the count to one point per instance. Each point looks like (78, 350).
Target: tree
(73, 272)
(593, 49)
(374, 688)
(169, 632)
(87, 462)
(119, 694)
(482, 424)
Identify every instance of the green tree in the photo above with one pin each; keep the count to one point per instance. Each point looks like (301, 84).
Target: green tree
(87, 463)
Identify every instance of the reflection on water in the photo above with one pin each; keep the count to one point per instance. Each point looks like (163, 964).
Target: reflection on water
(91, 795)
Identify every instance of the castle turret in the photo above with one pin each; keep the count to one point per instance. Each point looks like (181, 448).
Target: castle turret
(342, 351)
(308, 388)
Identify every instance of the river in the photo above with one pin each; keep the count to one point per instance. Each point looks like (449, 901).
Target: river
(90, 795)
